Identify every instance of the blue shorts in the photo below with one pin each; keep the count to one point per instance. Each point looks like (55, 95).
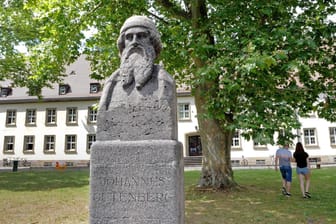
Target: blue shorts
(302, 171)
(286, 173)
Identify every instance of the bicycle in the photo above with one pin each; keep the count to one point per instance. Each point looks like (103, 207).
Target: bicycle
(25, 163)
(6, 162)
(244, 162)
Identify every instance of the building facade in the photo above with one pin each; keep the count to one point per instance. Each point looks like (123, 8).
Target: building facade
(61, 126)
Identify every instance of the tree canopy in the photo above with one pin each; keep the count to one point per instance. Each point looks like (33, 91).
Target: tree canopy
(251, 65)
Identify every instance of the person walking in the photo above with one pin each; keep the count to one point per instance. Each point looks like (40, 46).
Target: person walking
(302, 169)
(283, 158)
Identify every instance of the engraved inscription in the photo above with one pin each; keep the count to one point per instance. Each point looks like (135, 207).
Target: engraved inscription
(151, 119)
(128, 197)
(133, 181)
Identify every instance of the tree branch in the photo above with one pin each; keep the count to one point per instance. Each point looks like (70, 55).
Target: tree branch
(94, 9)
(157, 17)
(175, 10)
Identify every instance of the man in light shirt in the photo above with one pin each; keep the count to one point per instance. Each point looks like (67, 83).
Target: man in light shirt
(283, 158)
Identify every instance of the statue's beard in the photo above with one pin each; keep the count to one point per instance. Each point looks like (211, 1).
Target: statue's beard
(136, 65)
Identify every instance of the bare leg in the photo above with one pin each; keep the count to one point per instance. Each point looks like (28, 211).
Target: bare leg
(288, 186)
(301, 178)
(307, 177)
(284, 183)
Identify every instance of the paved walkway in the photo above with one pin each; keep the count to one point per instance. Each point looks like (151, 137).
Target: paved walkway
(187, 168)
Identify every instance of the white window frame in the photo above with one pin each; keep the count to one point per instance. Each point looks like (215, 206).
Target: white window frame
(184, 113)
(49, 143)
(310, 137)
(11, 118)
(51, 116)
(31, 117)
(332, 135)
(259, 146)
(260, 162)
(5, 91)
(70, 143)
(91, 138)
(72, 116)
(29, 143)
(63, 89)
(236, 140)
(9, 143)
(94, 87)
(92, 114)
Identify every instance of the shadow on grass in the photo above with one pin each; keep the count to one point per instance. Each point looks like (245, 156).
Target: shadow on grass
(260, 200)
(43, 180)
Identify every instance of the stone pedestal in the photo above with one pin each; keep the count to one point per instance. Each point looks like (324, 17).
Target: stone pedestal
(137, 182)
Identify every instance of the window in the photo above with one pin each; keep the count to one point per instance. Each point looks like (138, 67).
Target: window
(11, 118)
(30, 117)
(70, 143)
(9, 144)
(5, 91)
(332, 134)
(51, 116)
(235, 162)
(259, 146)
(94, 87)
(92, 115)
(49, 143)
(91, 138)
(236, 140)
(310, 136)
(260, 162)
(315, 160)
(184, 111)
(47, 164)
(69, 164)
(71, 116)
(64, 89)
(312, 115)
(28, 145)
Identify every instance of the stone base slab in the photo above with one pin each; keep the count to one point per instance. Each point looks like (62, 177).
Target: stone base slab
(136, 182)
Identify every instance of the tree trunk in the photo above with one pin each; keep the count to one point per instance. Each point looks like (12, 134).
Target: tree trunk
(216, 147)
(216, 142)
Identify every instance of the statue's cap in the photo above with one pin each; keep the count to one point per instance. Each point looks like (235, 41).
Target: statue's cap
(138, 21)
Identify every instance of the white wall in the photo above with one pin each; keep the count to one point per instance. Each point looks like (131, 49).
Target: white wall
(247, 148)
(188, 127)
(81, 130)
(185, 128)
(323, 148)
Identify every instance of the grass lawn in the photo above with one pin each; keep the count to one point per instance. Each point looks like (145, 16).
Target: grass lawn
(61, 197)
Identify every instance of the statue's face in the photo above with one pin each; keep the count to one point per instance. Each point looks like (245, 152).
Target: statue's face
(137, 58)
(137, 36)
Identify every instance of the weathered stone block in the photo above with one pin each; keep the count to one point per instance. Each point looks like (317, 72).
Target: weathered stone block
(147, 119)
(137, 182)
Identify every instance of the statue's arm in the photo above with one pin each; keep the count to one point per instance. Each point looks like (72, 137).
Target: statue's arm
(106, 96)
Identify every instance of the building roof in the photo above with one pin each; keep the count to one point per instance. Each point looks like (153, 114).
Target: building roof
(77, 85)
